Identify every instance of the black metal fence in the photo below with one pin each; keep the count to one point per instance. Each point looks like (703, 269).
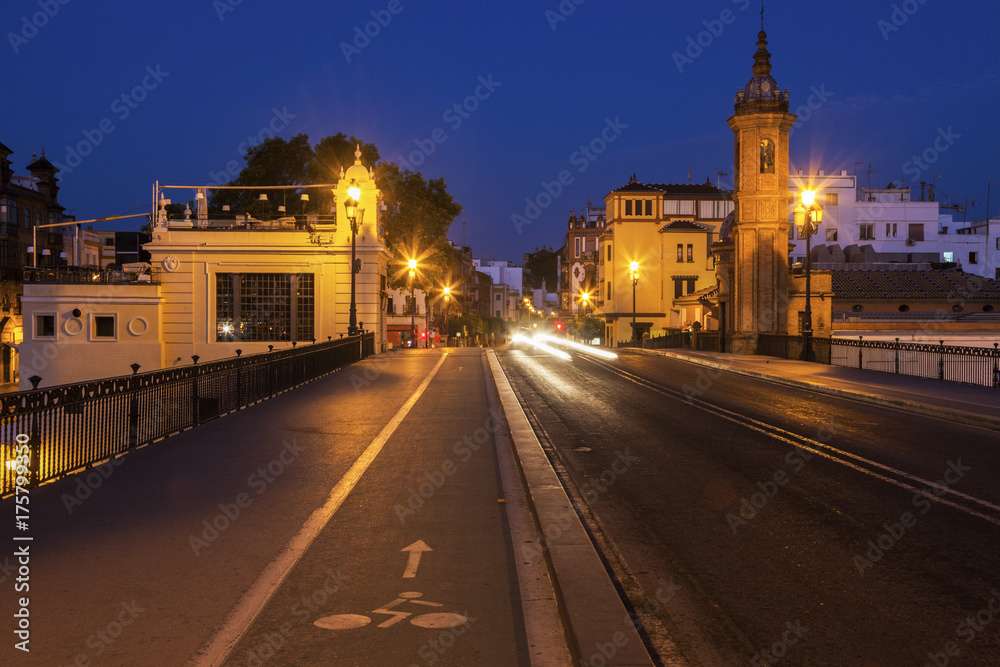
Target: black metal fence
(75, 426)
(952, 363)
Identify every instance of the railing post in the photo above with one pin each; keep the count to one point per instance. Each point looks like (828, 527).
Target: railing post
(941, 362)
(239, 381)
(860, 349)
(897, 355)
(34, 441)
(133, 412)
(996, 369)
(195, 402)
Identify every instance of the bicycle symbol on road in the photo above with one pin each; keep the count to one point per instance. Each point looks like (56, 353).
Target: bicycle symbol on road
(438, 620)
(433, 620)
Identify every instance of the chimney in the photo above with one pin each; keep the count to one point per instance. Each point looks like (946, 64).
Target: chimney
(923, 187)
(930, 189)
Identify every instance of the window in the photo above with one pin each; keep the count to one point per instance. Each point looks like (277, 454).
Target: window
(766, 156)
(998, 243)
(673, 207)
(264, 307)
(45, 326)
(609, 252)
(576, 246)
(904, 308)
(609, 290)
(690, 252)
(390, 308)
(690, 286)
(103, 327)
(649, 207)
(680, 252)
(498, 297)
(867, 231)
(948, 256)
(628, 207)
(916, 232)
(678, 288)
(973, 258)
(831, 198)
(498, 313)
(27, 219)
(831, 234)
(890, 230)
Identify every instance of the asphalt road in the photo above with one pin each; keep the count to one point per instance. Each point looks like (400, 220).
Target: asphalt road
(754, 523)
(147, 564)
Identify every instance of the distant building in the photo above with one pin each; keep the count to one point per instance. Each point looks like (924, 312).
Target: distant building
(579, 266)
(26, 202)
(507, 285)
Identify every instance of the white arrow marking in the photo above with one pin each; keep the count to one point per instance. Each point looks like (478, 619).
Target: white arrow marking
(413, 562)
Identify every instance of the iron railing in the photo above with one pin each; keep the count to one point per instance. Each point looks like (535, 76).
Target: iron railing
(952, 363)
(82, 275)
(75, 426)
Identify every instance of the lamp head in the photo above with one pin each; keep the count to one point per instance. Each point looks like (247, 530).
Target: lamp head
(354, 192)
(412, 264)
(351, 208)
(808, 197)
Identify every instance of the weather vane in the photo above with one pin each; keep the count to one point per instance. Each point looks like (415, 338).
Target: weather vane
(762, 15)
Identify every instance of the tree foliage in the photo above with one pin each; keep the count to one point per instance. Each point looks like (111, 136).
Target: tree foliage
(418, 212)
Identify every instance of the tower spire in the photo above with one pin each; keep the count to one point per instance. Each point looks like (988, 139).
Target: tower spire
(762, 15)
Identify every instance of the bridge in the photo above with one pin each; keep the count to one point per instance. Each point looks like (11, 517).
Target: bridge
(508, 507)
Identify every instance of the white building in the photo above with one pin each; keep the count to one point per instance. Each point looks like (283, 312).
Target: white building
(507, 287)
(214, 286)
(981, 255)
(881, 227)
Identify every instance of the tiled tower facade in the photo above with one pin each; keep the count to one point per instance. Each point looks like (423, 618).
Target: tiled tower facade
(760, 226)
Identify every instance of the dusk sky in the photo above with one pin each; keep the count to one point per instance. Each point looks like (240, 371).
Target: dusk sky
(888, 81)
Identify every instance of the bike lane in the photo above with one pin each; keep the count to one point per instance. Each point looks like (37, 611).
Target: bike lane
(415, 567)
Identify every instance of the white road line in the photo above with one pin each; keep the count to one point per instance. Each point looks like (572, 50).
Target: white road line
(816, 447)
(242, 616)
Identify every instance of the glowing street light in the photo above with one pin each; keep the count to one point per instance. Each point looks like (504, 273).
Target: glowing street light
(351, 209)
(413, 302)
(807, 216)
(633, 271)
(585, 300)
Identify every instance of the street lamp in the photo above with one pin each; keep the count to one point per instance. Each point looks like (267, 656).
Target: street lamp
(633, 271)
(447, 308)
(351, 209)
(807, 216)
(413, 303)
(585, 300)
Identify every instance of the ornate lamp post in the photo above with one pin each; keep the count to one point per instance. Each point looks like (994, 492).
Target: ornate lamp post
(807, 216)
(633, 271)
(447, 309)
(351, 209)
(413, 303)
(585, 300)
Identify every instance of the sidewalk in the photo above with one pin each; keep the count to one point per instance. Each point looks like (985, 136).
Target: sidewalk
(969, 404)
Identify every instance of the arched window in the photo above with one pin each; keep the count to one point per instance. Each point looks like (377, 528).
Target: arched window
(766, 156)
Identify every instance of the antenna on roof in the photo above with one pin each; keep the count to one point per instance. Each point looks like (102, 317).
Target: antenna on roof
(718, 182)
(689, 172)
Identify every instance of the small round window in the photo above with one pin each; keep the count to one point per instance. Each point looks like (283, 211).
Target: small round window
(957, 308)
(904, 308)
(987, 308)
(857, 308)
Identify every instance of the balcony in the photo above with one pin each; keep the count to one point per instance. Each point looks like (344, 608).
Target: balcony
(246, 223)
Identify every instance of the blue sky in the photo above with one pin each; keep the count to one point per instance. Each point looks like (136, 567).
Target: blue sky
(200, 78)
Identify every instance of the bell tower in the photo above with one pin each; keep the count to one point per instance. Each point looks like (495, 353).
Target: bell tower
(760, 222)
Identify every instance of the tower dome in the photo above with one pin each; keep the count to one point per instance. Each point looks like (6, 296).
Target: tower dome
(761, 93)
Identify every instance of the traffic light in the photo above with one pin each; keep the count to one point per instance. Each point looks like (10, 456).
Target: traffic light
(559, 326)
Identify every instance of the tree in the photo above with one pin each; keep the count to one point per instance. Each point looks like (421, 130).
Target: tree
(417, 216)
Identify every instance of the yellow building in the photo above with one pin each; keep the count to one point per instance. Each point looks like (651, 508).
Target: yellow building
(667, 230)
(214, 286)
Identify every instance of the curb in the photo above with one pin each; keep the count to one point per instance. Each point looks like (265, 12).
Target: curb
(593, 613)
(961, 416)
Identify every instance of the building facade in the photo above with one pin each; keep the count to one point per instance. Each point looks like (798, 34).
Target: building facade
(667, 229)
(214, 287)
(579, 267)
